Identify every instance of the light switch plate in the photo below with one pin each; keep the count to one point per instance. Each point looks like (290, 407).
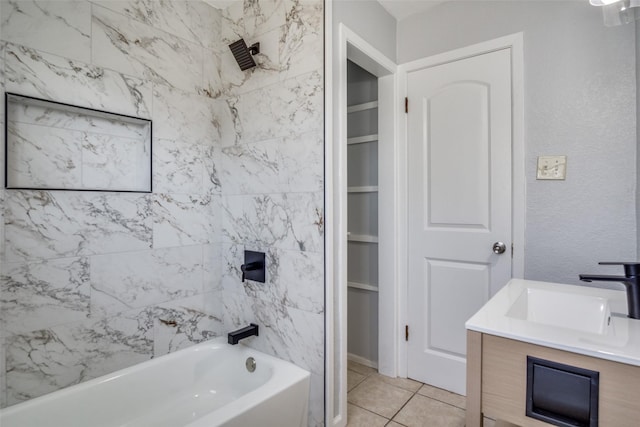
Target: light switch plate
(552, 167)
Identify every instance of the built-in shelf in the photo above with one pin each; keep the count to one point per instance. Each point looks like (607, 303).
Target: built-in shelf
(363, 189)
(362, 238)
(362, 139)
(362, 107)
(57, 146)
(362, 286)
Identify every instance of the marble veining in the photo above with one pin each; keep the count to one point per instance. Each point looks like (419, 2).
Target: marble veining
(262, 16)
(183, 116)
(181, 219)
(212, 84)
(182, 323)
(46, 360)
(123, 281)
(137, 49)
(40, 157)
(284, 220)
(41, 224)
(2, 234)
(301, 38)
(179, 166)
(288, 333)
(212, 268)
(298, 100)
(116, 163)
(35, 73)
(292, 277)
(266, 72)
(288, 164)
(37, 295)
(61, 28)
(68, 118)
(290, 35)
(212, 165)
(193, 21)
(3, 375)
(232, 23)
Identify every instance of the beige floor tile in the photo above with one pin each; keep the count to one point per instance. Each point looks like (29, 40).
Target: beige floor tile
(353, 379)
(379, 397)
(488, 422)
(394, 424)
(360, 368)
(500, 423)
(422, 411)
(358, 417)
(404, 383)
(443, 396)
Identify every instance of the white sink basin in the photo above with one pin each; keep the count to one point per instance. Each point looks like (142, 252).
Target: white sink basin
(578, 319)
(586, 313)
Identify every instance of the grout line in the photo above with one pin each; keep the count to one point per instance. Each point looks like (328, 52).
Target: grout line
(405, 404)
(442, 401)
(371, 412)
(370, 374)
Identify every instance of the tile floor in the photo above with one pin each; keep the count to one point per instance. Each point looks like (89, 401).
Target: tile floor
(375, 400)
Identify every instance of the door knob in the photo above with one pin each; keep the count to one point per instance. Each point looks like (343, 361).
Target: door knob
(499, 248)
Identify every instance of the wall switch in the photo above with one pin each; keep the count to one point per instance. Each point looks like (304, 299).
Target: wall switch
(552, 167)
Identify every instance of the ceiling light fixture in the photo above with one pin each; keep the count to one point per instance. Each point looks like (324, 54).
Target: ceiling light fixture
(618, 12)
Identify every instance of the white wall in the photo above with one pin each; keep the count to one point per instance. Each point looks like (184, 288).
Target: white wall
(580, 98)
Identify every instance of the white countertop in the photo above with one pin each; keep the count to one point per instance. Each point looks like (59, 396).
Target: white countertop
(619, 340)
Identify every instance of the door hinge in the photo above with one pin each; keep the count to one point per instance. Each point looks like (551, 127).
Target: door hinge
(406, 332)
(406, 104)
(512, 250)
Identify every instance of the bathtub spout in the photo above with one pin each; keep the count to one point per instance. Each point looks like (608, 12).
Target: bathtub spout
(235, 336)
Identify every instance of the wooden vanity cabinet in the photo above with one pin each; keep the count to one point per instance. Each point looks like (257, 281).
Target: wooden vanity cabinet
(497, 379)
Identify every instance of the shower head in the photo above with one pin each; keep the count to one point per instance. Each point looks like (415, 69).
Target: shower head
(242, 53)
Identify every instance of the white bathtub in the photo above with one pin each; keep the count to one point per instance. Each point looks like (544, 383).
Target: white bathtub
(202, 386)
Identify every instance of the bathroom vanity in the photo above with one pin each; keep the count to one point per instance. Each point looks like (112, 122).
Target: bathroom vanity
(551, 354)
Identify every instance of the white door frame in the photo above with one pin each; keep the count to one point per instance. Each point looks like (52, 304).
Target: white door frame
(518, 208)
(352, 46)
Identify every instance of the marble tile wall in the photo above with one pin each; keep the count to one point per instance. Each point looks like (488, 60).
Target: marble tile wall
(238, 164)
(271, 176)
(96, 281)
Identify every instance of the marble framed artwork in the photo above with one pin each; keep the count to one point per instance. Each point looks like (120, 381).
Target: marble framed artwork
(56, 146)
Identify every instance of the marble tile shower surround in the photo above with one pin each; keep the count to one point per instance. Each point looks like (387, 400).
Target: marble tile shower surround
(94, 282)
(271, 176)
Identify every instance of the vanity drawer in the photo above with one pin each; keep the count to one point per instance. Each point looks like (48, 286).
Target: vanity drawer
(504, 382)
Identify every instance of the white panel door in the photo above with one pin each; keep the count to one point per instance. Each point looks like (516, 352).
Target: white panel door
(459, 146)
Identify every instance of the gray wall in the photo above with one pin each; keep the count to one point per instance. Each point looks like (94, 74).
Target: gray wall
(638, 127)
(370, 21)
(362, 166)
(580, 98)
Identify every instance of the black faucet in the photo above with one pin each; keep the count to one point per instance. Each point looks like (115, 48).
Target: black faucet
(631, 280)
(234, 337)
